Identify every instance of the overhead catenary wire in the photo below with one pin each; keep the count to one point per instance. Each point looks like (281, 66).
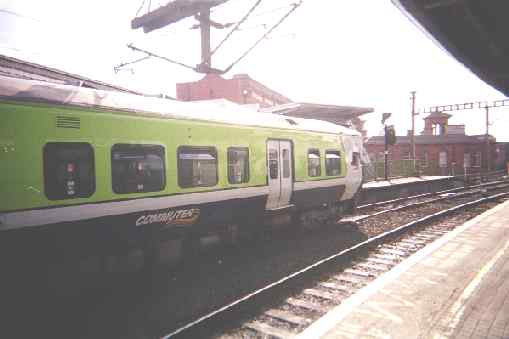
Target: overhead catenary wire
(120, 66)
(236, 27)
(270, 11)
(150, 54)
(294, 7)
(139, 9)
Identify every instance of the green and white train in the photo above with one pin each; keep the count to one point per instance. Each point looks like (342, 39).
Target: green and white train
(91, 172)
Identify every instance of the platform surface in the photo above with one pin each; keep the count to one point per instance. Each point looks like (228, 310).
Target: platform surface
(400, 181)
(456, 287)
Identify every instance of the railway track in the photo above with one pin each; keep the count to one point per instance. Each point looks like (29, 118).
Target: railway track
(442, 197)
(423, 198)
(315, 290)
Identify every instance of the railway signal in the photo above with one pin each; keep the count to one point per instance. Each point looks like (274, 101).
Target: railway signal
(390, 135)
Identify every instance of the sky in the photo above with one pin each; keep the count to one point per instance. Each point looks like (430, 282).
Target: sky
(343, 52)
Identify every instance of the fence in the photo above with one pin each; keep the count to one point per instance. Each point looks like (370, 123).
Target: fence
(404, 168)
(396, 168)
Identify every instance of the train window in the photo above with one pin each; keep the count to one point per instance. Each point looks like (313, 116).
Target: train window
(69, 170)
(286, 163)
(332, 163)
(197, 166)
(356, 160)
(273, 164)
(238, 165)
(314, 167)
(137, 168)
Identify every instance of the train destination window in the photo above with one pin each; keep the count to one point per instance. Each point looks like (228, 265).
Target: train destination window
(137, 168)
(197, 166)
(332, 163)
(69, 170)
(273, 164)
(238, 165)
(314, 167)
(286, 163)
(356, 159)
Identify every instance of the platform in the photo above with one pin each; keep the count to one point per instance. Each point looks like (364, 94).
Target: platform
(456, 287)
(375, 191)
(401, 181)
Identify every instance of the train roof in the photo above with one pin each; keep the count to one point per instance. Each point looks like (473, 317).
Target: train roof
(221, 111)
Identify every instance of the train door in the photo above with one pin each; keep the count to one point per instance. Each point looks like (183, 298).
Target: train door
(353, 152)
(280, 173)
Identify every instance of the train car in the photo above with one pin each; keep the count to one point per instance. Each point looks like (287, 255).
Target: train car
(106, 174)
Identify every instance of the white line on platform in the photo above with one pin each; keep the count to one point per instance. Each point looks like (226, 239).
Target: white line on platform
(332, 318)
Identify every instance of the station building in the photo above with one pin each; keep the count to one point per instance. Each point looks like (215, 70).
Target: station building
(441, 148)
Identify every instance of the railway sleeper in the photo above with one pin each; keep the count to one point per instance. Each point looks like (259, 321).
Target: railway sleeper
(350, 279)
(268, 330)
(414, 242)
(335, 286)
(382, 260)
(387, 257)
(288, 317)
(374, 267)
(321, 294)
(406, 246)
(390, 250)
(307, 305)
(360, 273)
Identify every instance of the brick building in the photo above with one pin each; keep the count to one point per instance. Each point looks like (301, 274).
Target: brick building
(240, 89)
(440, 149)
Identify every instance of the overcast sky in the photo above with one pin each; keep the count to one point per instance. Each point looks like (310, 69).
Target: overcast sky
(343, 52)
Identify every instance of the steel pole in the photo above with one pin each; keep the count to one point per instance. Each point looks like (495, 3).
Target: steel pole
(386, 164)
(412, 134)
(487, 157)
(205, 38)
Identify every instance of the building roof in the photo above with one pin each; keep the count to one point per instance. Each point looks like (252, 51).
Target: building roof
(438, 115)
(332, 113)
(220, 111)
(474, 32)
(12, 67)
(429, 139)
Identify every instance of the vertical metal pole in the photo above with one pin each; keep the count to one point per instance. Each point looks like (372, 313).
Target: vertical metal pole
(412, 134)
(205, 36)
(386, 153)
(487, 157)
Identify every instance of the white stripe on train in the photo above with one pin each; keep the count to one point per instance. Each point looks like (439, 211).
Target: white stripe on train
(55, 215)
(89, 211)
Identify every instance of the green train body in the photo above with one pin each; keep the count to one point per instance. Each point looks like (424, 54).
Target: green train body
(86, 171)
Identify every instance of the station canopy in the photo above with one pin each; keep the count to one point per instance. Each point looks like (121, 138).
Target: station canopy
(332, 113)
(473, 31)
